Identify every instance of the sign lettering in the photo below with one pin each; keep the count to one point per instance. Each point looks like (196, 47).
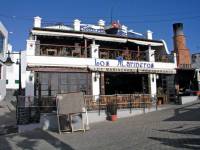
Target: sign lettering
(124, 64)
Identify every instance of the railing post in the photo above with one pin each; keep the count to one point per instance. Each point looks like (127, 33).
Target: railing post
(143, 103)
(130, 103)
(156, 103)
(116, 102)
(99, 105)
(17, 107)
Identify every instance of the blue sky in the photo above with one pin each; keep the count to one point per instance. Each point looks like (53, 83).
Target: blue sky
(139, 15)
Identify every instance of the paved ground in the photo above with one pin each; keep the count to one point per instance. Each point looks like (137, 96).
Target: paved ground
(174, 128)
(7, 118)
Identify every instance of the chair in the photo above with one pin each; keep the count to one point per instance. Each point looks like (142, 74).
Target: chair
(104, 55)
(77, 51)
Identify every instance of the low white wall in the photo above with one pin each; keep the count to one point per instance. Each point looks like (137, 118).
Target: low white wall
(188, 99)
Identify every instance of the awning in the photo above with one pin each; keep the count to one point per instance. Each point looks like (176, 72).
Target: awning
(54, 33)
(56, 69)
(145, 42)
(105, 38)
(139, 70)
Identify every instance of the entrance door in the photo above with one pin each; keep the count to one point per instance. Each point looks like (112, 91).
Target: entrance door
(125, 83)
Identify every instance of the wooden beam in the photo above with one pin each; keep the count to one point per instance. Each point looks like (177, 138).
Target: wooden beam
(138, 52)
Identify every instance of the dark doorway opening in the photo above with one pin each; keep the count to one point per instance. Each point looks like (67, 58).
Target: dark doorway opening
(186, 81)
(125, 83)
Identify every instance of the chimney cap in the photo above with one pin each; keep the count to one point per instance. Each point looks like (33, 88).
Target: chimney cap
(178, 29)
(176, 25)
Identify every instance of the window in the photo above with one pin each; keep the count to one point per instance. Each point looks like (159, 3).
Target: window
(51, 52)
(51, 83)
(6, 81)
(1, 42)
(16, 81)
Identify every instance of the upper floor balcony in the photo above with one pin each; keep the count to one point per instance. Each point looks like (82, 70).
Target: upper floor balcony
(134, 55)
(78, 51)
(62, 50)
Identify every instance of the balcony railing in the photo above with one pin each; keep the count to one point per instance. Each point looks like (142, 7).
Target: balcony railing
(163, 57)
(62, 50)
(106, 53)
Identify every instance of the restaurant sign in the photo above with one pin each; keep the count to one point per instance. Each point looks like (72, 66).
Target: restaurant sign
(103, 65)
(123, 64)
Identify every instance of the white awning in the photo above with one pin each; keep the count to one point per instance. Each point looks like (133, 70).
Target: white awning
(145, 42)
(105, 38)
(139, 70)
(52, 33)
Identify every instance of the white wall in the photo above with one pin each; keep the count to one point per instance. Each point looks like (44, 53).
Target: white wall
(2, 57)
(85, 62)
(12, 72)
(95, 86)
(29, 84)
(34, 61)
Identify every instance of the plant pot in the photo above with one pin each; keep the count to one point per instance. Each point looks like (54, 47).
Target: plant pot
(111, 111)
(159, 102)
(113, 117)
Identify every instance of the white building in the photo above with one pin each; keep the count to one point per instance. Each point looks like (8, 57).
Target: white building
(3, 50)
(12, 72)
(84, 57)
(196, 65)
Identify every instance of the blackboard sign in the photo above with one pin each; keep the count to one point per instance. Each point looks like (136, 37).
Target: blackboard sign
(70, 108)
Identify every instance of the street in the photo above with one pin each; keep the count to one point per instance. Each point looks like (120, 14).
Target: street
(174, 128)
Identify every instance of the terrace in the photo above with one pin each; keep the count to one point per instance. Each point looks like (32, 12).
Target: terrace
(79, 51)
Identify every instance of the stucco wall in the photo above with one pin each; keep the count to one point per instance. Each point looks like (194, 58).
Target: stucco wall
(4, 32)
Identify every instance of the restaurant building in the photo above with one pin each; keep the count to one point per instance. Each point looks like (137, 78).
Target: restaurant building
(97, 59)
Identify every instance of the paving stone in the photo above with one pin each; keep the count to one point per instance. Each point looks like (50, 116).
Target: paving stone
(175, 128)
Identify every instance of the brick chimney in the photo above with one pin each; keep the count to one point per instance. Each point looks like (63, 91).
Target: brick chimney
(183, 53)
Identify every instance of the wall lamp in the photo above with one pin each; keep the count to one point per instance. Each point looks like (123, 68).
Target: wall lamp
(153, 78)
(96, 76)
(9, 62)
(157, 77)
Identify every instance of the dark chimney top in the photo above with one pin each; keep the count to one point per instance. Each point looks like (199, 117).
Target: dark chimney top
(178, 29)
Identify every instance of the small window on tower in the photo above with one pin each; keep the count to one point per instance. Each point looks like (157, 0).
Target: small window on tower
(16, 81)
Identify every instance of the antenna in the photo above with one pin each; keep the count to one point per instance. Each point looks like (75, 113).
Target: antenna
(111, 14)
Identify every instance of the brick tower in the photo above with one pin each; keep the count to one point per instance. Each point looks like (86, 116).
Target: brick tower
(183, 54)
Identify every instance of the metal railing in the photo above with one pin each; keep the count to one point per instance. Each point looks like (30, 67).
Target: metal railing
(30, 108)
(123, 101)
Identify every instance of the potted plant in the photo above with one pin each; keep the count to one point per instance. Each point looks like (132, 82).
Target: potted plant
(111, 109)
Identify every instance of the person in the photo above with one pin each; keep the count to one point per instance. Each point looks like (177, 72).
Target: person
(120, 60)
